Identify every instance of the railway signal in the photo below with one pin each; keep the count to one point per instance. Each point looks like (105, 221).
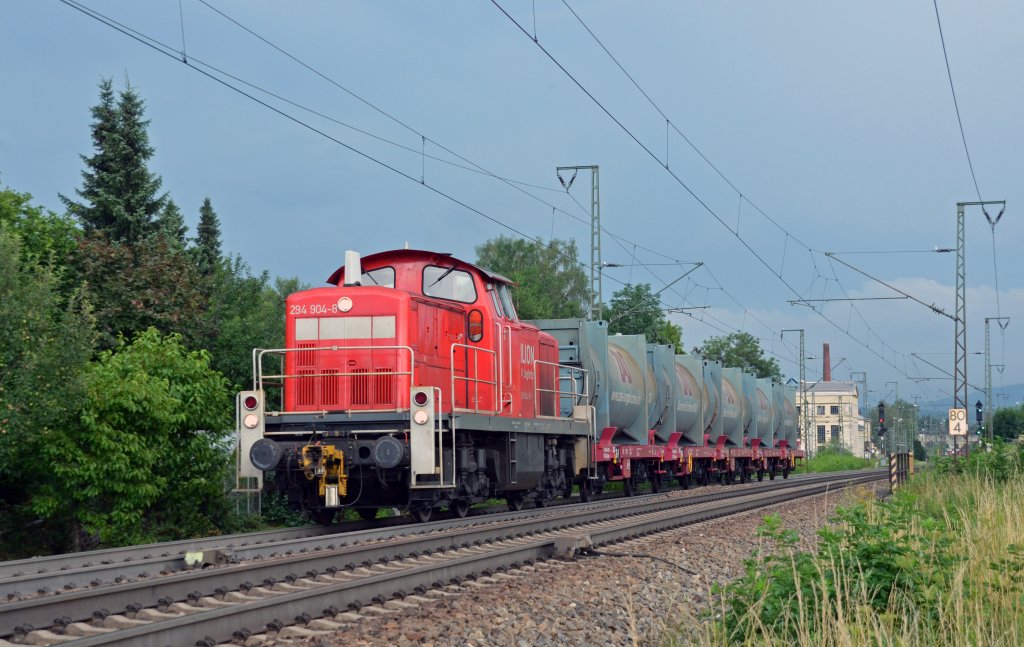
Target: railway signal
(881, 419)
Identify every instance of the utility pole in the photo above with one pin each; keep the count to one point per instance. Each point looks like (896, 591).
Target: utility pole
(988, 374)
(862, 396)
(960, 329)
(894, 446)
(803, 389)
(596, 292)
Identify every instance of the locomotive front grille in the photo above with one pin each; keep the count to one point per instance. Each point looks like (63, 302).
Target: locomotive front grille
(360, 389)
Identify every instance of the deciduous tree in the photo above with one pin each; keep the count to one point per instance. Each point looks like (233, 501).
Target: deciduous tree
(146, 457)
(635, 310)
(551, 284)
(741, 350)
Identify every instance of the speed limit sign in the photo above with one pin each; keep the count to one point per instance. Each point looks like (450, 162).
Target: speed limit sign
(958, 422)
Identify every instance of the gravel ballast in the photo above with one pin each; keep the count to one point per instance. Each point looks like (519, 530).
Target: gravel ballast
(600, 600)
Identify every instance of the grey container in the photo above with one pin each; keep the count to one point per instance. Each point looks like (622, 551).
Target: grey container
(713, 389)
(733, 406)
(582, 344)
(629, 399)
(692, 399)
(764, 412)
(790, 418)
(749, 408)
(661, 360)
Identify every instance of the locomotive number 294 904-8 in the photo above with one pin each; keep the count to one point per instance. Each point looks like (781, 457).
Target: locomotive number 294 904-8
(313, 309)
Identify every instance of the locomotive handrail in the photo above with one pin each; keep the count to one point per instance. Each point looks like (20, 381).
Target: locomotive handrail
(260, 379)
(475, 380)
(573, 393)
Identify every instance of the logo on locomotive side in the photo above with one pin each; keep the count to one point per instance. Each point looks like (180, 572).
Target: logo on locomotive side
(624, 372)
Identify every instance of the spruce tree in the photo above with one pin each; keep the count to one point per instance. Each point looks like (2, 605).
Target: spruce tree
(119, 195)
(171, 225)
(207, 247)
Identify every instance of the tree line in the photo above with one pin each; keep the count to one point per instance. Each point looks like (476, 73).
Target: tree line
(122, 341)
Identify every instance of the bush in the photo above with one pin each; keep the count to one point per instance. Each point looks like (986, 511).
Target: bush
(940, 563)
(834, 459)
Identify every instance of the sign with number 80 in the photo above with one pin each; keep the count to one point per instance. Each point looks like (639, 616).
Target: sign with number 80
(958, 422)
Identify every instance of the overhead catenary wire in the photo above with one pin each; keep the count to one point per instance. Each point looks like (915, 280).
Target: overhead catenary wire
(618, 122)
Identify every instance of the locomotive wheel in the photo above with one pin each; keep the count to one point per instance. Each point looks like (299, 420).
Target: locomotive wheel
(627, 487)
(367, 514)
(515, 502)
(323, 516)
(540, 502)
(459, 508)
(421, 513)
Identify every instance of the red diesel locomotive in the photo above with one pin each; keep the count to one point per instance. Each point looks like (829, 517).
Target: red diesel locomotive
(410, 382)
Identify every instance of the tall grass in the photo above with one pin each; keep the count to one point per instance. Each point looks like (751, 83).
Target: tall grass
(942, 563)
(834, 459)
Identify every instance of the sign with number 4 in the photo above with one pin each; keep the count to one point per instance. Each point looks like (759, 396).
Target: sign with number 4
(958, 422)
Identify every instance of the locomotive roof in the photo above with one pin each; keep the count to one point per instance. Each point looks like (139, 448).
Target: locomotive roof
(419, 255)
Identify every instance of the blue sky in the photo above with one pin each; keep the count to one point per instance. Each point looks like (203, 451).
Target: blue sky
(835, 119)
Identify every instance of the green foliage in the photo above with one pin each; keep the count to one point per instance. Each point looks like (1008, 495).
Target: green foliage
(45, 343)
(1000, 461)
(119, 194)
(146, 458)
(884, 566)
(551, 283)
(635, 310)
(246, 312)
(1008, 422)
(171, 225)
(207, 248)
(741, 350)
(44, 236)
(920, 453)
(834, 459)
(134, 287)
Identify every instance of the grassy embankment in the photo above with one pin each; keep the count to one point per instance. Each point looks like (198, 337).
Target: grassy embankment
(941, 563)
(829, 459)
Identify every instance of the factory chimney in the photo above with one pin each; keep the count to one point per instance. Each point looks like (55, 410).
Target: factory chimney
(826, 360)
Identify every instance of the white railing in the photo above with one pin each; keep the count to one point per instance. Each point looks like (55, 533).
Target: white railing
(262, 380)
(561, 374)
(473, 379)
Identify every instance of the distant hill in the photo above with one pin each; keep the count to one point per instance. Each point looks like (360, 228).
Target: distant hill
(1014, 394)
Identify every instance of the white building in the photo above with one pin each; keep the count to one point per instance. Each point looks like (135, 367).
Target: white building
(833, 417)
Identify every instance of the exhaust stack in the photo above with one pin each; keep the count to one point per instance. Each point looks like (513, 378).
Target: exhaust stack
(353, 268)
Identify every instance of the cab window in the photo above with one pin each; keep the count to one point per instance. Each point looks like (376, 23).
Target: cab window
(448, 283)
(506, 301)
(382, 276)
(494, 299)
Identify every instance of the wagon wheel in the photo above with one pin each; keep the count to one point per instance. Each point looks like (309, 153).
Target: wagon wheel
(586, 491)
(771, 472)
(421, 513)
(655, 483)
(367, 514)
(760, 474)
(515, 502)
(459, 508)
(684, 481)
(785, 472)
(627, 486)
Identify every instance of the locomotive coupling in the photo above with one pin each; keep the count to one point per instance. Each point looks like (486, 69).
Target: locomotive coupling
(326, 465)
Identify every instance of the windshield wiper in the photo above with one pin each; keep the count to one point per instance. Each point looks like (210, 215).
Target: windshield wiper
(442, 277)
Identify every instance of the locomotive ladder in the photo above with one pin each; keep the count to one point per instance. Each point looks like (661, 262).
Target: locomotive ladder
(513, 470)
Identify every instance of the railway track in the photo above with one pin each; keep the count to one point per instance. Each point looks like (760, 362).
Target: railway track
(317, 577)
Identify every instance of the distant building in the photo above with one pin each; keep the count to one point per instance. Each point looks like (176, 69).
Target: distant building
(833, 418)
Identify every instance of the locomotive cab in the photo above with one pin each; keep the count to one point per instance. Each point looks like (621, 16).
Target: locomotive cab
(410, 386)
